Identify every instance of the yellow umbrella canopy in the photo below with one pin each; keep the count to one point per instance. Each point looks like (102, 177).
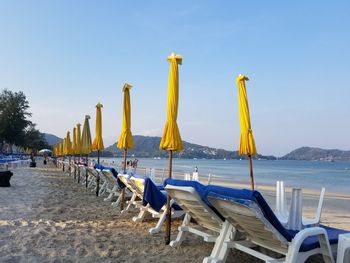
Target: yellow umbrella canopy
(63, 142)
(86, 137)
(171, 139)
(64, 146)
(28, 151)
(74, 145)
(247, 143)
(125, 139)
(97, 144)
(78, 140)
(68, 145)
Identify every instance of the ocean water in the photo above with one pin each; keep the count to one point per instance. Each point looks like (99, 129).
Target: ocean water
(335, 176)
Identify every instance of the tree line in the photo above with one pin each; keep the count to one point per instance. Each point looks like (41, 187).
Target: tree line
(16, 128)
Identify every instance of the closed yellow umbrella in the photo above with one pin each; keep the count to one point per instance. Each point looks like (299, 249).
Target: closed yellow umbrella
(68, 145)
(85, 144)
(28, 151)
(54, 150)
(171, 139)
(65, 146)
(74, 145)
(78, 143)
(247, 143)
(62, 147)
(86, 137)
(97, 144)
(125, 139)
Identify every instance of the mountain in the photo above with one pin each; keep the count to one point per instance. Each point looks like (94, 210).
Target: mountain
(311, 153)
(51, 139)
(148, 147)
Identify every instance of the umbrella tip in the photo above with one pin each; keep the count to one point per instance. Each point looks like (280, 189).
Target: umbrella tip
(126, 86)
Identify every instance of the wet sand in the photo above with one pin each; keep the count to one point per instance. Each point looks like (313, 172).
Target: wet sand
(47, 217)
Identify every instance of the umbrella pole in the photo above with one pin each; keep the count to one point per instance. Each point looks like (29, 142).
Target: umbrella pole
(86, 171)
(251, 172)
(75, 170)
(78, 169)
(123, 190)
(168, 208)
(69, 166)
(98, 176)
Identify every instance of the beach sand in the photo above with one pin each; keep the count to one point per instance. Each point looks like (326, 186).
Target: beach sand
(47, 217)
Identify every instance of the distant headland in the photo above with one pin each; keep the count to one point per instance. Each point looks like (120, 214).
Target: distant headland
(148, 147)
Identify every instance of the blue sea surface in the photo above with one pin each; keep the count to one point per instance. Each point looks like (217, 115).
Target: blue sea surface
(335, 176)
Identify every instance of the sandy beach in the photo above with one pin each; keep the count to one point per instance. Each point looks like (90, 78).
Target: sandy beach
(47, 217)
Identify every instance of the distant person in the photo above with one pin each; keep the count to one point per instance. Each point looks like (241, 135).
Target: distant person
(196, 169)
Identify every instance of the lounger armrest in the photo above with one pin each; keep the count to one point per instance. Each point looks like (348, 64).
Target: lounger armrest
(300, 237)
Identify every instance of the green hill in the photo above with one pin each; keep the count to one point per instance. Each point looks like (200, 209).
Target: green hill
(312, 153)
(51, 139)
(148, 147)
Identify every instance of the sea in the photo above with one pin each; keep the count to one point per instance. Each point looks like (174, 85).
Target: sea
(335, 176)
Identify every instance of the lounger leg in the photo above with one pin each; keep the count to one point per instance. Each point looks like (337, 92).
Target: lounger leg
(109, 198)
(116, 203)
(103, 188)
(181, 235)
(141, 215)
(220, 250)
(132, 200)
(91, 182)
(157, 228)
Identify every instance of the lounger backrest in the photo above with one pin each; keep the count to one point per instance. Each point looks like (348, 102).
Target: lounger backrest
(109, 176)
(191, 202)
(248, 219)
(138, 184)
(124, 178)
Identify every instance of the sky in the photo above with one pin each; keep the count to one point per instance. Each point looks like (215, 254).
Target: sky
(67, 56)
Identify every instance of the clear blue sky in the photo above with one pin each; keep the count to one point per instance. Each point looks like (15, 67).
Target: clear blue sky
(68, 55)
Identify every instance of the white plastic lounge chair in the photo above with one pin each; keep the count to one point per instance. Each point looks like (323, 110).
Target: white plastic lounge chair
(282, 212)
(139, 186)
(266, 238)
(112, 185)
(209, 224)
(125, 179)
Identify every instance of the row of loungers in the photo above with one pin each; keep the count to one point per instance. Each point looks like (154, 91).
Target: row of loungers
(230, 218)
(141, 191)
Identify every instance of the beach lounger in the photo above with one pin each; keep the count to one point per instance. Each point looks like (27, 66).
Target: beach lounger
(136, 198)
(190, 196)
(282, 211)
(266, 238)
(112, 188)
(153, 202)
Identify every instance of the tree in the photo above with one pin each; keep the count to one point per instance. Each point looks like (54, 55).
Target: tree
(13, 116)
(35, 140)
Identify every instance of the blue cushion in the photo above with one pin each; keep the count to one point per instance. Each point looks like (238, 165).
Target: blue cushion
(99, 166)
(154, 196)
